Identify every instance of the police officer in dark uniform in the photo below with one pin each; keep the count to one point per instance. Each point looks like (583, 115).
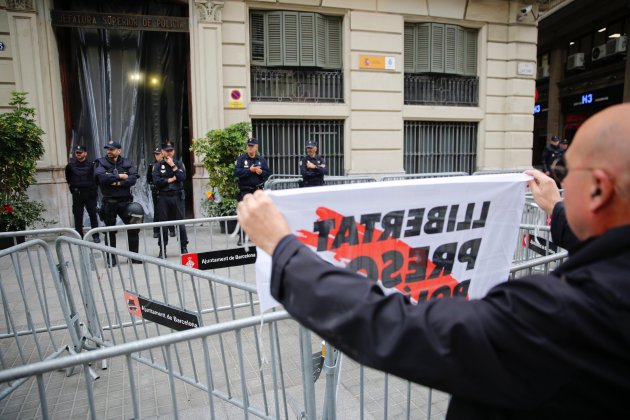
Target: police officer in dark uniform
(550, 153)
(169, 175)
(251, 170)
(80, 178)
(312, 167)
(157, 154)
(115, 175)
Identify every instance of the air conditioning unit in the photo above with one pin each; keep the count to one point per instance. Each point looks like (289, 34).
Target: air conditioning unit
(575, 61)
(616, 45)
(598, 52)
(542, 72)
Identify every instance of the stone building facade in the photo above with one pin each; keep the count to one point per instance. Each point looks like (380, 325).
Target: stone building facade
(375, 114)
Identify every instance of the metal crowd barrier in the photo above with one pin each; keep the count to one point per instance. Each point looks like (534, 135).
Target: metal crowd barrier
(32, 297)
(294, 181)
(228, 367)
(422, 176)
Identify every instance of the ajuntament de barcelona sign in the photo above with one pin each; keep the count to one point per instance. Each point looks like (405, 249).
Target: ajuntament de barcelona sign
(119, 21)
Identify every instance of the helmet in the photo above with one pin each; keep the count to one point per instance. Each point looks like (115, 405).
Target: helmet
(134, 213)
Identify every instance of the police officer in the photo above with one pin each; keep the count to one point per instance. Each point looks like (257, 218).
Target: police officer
(115, 175)
(168, 176)
(312, 167)
(550, 154)
(157, 155)
(251, 170)
(80, 178)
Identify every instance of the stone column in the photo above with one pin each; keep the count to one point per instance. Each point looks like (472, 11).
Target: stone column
(207, 81)
(36, 70)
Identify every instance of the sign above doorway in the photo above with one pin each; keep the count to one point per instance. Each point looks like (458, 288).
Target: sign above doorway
(119, 21)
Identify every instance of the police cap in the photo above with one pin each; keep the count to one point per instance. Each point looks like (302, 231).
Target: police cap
(113, 145)
(311, 144)
(564, 141)
(167, 145)
(157, 150)
(252, 141)
(79, 148)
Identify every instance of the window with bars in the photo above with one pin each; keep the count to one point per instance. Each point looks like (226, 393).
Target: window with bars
(295, 39)
(283, 142)
(440, 147)
(440, 65)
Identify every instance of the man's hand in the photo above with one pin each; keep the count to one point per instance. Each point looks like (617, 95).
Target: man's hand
(123, 176)
(262, 221)
(310, 165)
(544, 189)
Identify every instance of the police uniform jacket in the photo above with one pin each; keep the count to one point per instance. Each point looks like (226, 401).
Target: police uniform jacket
(248, 180)
(546, 346)
(106, 172)
(162, 172)
(313, 176)
(80, 175)
(549, 154)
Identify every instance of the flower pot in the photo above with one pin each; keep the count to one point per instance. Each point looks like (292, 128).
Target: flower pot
(228, 225)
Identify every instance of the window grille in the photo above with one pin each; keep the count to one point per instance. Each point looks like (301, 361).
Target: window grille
(283, 142)
(440, 147)
(432, 89)
(296, 85)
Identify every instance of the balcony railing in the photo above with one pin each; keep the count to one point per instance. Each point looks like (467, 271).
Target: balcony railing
(289, 85)
(424, 89)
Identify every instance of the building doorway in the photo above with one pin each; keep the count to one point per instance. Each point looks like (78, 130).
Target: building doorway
(125, 76)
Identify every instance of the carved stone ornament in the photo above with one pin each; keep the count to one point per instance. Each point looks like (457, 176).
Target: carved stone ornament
(20, 5)
(209, 11)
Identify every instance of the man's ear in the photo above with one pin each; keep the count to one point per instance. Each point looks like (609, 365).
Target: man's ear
(603, 189)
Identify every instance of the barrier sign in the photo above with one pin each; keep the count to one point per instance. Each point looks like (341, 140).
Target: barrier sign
(220, 259)
(160, 313)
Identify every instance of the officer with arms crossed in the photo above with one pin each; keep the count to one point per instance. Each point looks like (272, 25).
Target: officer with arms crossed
(169, 176)
(312, 167)
(251, 170)
(80, 178)
(115, 175)
(541, 346)
(158, 156)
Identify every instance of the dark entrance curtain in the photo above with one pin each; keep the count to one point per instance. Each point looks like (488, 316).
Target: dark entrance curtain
(128, 86)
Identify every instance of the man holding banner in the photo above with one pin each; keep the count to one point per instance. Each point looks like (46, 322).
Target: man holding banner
(552, 346)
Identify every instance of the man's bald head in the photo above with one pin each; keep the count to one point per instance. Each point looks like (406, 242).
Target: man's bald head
(597, 187)
(603, 141)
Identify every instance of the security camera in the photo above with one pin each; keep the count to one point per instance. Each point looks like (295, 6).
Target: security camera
(523, 12)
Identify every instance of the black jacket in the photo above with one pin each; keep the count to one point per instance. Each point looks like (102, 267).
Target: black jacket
(545, 346)
(561, 233)
(313, 177)
(162, 172)
(106, 173)
(246, 178)
(549, 154)
(80, 174)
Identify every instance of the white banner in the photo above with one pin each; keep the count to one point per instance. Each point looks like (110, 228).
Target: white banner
(428, 238)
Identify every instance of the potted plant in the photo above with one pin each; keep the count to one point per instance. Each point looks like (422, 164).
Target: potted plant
(219, 149)
(22, 147)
